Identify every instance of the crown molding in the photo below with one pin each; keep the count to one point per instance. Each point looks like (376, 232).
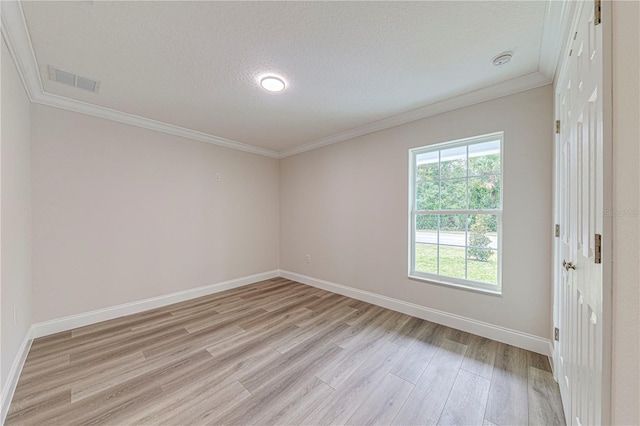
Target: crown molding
(147, 123)
(526, 82)
(16, 35)
(558, 19)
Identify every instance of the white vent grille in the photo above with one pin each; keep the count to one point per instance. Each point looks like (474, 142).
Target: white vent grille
(64, 77)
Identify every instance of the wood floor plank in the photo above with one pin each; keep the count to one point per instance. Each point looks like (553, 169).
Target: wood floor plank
(327, 301)
(285, 315)
(410, 331)
(173, 321)
(230, 317)
(427, 400)
(237, 370)
(541, 362)
(39, 367)
(36, 387)
(121, 347)
(420, 352)
(52, 339)
(40, 411)
(213, 360)
(193, 342)
(480, 356)
(382, 405)
(365, 315)
(276, 393)
(338, 370)
(299, 299)
(245, 345)
(459, 336)
(278, 292)
(311, 328)
(545, 407)
(336, 310)
(111, 326)
(375, 329)
(203, 305)
(292, 402)
(118, 402)
(467, 401)
(77, 344)
(360, 383)
(195, 409)
(508, 395)
(301, 359)
(104, 378)
(299, 408)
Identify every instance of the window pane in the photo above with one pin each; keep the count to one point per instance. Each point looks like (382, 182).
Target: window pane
(427, 195)
(427, 165)
(453, 194)
(484, 192)
(483, 265)
(453, 229)
(484, 158)
(453, 163)
(452, 261)
(427, 229)
(483, 231)
(427, 258)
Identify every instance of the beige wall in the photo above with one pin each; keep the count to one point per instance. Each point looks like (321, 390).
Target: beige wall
(15, 214)
(123, 213)
(346, 206)
(626, 228)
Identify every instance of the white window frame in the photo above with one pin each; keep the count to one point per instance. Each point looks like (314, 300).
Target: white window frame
(413, 213)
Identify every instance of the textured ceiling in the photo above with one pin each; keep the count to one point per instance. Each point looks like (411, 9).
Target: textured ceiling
(195, 64)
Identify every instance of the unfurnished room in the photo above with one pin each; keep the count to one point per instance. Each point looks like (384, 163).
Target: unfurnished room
(320, 212)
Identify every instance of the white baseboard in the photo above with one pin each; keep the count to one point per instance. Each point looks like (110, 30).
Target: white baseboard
(9, 387)
(80, 320)
(501, 334)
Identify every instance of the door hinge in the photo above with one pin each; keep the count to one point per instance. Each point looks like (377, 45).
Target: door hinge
(558, 127)
(556, 334)
(598, 12)
(557, 230)
(597, 254)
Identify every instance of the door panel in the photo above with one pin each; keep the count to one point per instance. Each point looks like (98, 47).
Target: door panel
(580, 206)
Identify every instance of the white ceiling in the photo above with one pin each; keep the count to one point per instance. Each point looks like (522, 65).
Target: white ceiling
(348, 64)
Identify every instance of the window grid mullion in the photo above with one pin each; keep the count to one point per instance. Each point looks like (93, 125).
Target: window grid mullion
(438, 212)
(440, 207)
(438, 247)
(466, 222)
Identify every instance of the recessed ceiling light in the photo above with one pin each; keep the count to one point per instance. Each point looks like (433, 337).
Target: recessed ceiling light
(273, 83)
(502, 58)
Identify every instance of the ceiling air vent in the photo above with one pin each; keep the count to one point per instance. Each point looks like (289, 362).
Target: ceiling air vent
(70, 79)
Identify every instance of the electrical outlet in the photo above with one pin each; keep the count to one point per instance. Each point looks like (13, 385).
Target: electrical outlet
(308, 258)
(218, 177)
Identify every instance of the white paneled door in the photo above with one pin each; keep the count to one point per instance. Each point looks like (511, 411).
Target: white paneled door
(579, 179)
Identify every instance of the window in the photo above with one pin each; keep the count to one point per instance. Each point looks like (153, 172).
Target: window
(456, 213)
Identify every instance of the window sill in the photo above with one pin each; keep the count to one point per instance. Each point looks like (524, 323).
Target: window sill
(468, 287)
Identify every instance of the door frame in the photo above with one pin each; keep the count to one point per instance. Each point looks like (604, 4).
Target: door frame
(607, 152)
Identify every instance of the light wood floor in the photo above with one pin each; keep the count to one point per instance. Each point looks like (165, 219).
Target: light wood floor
(279, 352)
